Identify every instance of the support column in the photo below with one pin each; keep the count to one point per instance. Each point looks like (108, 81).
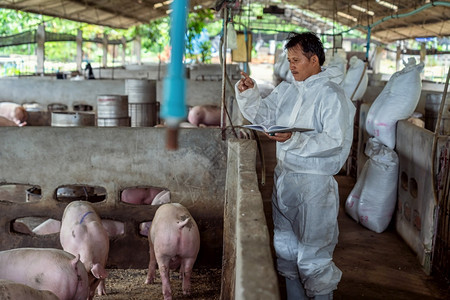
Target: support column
(79, 51)
(40, 51)
(105, 51)
(124, 47)
(423, 52)
(398, 58)
(137, 49)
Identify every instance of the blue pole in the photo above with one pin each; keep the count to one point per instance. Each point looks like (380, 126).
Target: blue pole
(173, 109)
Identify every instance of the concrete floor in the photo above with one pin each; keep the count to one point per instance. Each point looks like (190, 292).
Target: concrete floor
(374, 265)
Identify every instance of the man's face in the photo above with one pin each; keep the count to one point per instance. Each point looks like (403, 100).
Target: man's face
(301, 66)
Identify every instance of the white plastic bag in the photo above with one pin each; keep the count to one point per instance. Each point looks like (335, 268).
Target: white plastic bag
(397, 101)
(231, 37)
(336, 57)
(373, 198)
(281, 67)
(353, 77)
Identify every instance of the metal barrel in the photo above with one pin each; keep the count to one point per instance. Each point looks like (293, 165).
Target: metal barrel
(57, 107)
(114, 122)
(112, 106)
(141, 102)
(142, 114)
(72, 119)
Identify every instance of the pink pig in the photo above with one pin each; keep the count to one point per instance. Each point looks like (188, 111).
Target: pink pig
(206, 115)
(144, 195)
(14, 112)
(7, 122)
(49, 269)
(49, 226)
(174, 241)
(82, 233)
(18, 291)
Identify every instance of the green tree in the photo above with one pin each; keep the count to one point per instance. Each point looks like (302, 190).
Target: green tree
(196, 23)
(155, 35)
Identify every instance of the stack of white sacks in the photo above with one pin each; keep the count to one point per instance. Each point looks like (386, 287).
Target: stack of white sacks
(373, 198)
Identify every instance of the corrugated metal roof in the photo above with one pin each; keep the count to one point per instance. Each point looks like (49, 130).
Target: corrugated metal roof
(389, 20)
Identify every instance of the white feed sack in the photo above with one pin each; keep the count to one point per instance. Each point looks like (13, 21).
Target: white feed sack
(356, 73)
(397, 101)
(373, 198)
(336, 57)
(281, 67)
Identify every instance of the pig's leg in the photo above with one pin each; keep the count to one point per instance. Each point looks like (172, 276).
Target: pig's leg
(163, 265)
(101, 290)
(186, 272)
(152, 264)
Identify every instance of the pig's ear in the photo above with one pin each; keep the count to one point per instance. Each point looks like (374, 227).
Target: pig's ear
(75, 260)
(98, 271)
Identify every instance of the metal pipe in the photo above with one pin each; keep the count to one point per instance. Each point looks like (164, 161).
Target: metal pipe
(398, 16)
(224, 72)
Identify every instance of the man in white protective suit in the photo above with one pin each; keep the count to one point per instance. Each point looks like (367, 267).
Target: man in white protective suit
(305, 197)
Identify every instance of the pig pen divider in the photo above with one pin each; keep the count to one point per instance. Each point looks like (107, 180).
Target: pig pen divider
(247, 269)
(115, 159)
(215, 179)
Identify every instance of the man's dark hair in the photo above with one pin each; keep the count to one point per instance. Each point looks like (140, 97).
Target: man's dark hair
(310, 43)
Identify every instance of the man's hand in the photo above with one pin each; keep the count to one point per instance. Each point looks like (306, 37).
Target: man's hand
(280, 136)
(245, 83)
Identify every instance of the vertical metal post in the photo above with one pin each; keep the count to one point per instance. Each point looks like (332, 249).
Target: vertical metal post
(224, 74)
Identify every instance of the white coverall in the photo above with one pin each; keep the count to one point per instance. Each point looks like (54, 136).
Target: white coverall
(305, 198)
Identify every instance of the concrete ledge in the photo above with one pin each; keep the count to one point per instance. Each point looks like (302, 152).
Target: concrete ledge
(248, 268)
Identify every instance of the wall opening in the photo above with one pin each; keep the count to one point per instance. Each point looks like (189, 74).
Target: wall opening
(413, 188)
(146, 195)
(68, 193)
(35, 225)
(113, 228)
(18, 193)
(404, 181)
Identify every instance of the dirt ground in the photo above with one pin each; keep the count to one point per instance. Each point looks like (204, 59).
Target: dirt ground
(130, 284)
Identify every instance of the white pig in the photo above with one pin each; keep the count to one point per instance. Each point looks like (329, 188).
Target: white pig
(14, 112)
(174, 241)
(18, 291)
(7, 122)
(113, 228)
(205, 115)
(145, 196)
(82, 233)
(49, 226)
(49, 269)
